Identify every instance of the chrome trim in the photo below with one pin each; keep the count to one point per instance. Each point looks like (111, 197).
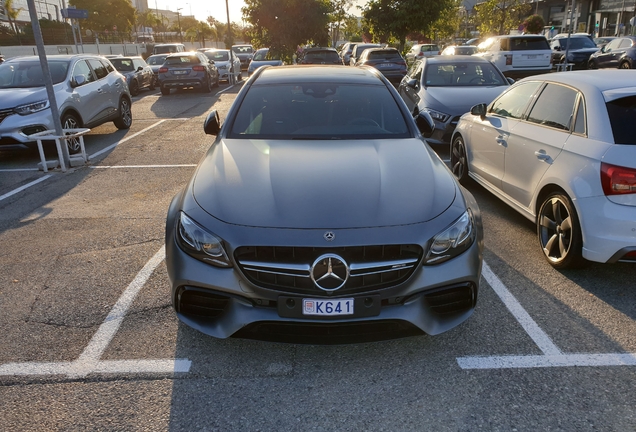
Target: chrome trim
(366, 266)
(282, 266)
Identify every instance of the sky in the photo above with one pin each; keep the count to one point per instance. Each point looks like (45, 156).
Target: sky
(201, 9)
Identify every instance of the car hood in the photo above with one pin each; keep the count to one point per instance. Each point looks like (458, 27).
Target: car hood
(582, 51)
(255, 64)
(13, 97)
(323, 184)
(458, 100)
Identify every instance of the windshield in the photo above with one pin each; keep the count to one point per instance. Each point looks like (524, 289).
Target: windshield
(182, 60)
(25, 74)
(322, 56)
(463, 75)
(578, 43)
(319, 111)
(242, 49)
(217, 56)
(156, 60)
(261, 55)
(123, 65)
(385, 55)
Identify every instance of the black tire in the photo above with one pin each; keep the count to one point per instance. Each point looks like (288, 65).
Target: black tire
(592, 65)
(70, 121)
(152, 83)
(559, 232)
(216, 82)
(458, 160)
(165, 91)
(207, 85)
(134, 88)
(239, 78)
(124, 121)
(624, 65)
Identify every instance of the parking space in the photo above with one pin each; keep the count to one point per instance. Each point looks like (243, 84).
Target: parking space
(87, 319)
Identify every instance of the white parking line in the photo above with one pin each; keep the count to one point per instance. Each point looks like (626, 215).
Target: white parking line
(88, 362)
(142, 166)
(112, 146)
(553, 357)
(26, 186)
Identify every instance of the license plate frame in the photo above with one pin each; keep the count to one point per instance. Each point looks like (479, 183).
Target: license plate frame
(328, 307)
(179, 72)
(363, 306)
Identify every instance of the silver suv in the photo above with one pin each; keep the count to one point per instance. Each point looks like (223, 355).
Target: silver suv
(88, 90)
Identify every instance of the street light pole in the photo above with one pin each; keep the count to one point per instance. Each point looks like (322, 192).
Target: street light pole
(229, 43)
(179, 24)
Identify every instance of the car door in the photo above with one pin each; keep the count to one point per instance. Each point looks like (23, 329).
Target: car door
(105, 99)
(607, 58)
(489, 134)
(145, 74)
(91, 97)
(410, 94)
(534, 144)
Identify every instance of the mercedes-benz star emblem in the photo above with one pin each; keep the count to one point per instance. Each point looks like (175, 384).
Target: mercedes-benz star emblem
(329, 235)
(329, 272)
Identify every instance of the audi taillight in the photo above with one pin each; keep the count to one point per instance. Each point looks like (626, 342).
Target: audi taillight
(617, 180)
(163, 70)
(198, 68)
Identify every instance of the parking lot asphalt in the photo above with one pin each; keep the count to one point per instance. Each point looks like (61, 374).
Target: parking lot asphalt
(90, 341)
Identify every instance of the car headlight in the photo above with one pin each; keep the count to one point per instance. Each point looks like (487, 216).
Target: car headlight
(439, 116)
(453, 240)
(199, 243)
(32, 107)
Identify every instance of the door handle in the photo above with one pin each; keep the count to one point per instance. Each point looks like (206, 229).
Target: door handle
(501, 141)
(542, 155)
(99, 90)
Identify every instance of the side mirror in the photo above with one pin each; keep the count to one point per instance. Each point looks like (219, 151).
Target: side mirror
(425, 123)
(510, 80)
(479, 109)
(211, 62)
(78, 80)
(140, 68)
(212, 124)
(412, 83)
(557, 48)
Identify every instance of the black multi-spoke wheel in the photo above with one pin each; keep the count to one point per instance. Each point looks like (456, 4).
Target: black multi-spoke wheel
(70, 121)
(134, 88)
(459, 163)
(559, 232)
(124, 121)
(624, 65)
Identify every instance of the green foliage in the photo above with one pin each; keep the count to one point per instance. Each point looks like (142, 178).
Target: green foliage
(401, 17)
(447, 25)
(534, 24)
(107, 14)
(282, 25)
(499, 17)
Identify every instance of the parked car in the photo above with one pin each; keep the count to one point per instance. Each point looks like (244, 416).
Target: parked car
(168, 48)
(518, 56)
(357, 50)
(88, 91)
(447, 87)
(419, 51)
(136, 71)
(244, 53)
(560, 150)
(313, 215)
(155, 61)
(188, 70)
(226, 63)
(389, 61)
(578, 46)
(262, 57)
(345, 52)
(320, 56)
(460, 50)
(618, 53)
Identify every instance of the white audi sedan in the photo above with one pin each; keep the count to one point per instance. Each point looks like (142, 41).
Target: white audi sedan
(561, 150)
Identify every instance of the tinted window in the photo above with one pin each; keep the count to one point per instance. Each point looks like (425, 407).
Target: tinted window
(243, 49)
(612, 45)
(577, 43)
(579, 123)
(328, 56)
(82, 69)
(319, 111)
(385, 55)
(123, 65)
(109, 67)
(217, 55)
(156, 60)
(622, 113)
(527, 43)
(554, 107)
(98, 68)
(625, 43)
(513, 103)
(181, 60)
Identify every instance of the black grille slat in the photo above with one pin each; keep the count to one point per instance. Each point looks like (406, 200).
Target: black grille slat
(260, 265)
(195, 302)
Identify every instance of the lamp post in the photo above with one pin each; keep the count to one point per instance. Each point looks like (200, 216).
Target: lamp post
(179, 24)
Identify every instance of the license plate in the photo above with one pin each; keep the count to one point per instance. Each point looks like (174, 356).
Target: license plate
(386, 65)
(531, 56)
(328, 307)
(179, 72)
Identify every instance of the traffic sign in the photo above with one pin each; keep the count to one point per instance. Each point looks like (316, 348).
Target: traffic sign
(75, 13)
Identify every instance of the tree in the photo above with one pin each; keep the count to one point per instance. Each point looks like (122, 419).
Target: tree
(500, 16)
(12, 15)
(107, 14)
(534, 24)
(401, 17)
(448, 23)
(147, 19)
(282, 25)
(338, 16)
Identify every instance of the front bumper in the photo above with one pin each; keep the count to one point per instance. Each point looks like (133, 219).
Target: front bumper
(223, 302)
(15, 128)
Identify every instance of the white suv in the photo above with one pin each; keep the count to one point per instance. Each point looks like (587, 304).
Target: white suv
(518, 56)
